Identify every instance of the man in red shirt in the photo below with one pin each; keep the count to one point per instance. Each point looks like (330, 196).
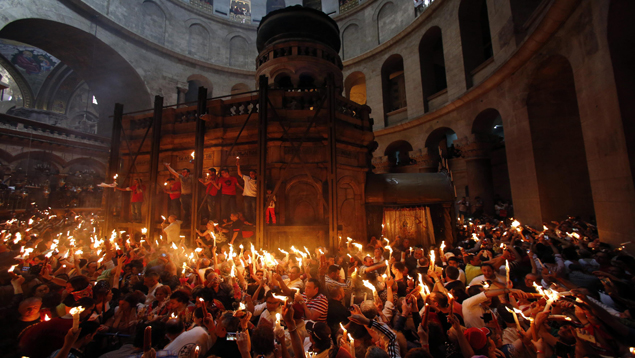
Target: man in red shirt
(227, 186)
(173, 189)
(136, 199)
(211, 193)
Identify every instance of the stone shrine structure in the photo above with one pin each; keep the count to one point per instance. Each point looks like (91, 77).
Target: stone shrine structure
(308, 144)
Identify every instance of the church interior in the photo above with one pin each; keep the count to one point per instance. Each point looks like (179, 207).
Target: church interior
(352, 113)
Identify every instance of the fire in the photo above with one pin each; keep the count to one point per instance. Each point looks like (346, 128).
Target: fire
(46, 317)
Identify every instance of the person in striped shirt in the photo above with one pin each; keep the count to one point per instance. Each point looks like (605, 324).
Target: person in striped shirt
(313, 302)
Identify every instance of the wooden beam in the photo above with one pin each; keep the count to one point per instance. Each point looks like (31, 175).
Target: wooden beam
(153, 196)
(113, 166)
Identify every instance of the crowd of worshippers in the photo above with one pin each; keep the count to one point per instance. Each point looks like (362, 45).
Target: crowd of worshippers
(501, 290)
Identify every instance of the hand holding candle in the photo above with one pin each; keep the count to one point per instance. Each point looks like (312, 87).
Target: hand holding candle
(75, 311)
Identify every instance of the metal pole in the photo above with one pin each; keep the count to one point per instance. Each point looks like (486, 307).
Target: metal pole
(199, 156)
(113, 165)
(262, 160)
(332, 162)
(154, 166)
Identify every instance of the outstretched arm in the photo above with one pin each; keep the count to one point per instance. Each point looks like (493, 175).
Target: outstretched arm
(167, 165)
(240, 174)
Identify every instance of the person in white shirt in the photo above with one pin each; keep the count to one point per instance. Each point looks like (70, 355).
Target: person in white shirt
(268, 309)
(488, 274)
(151, 281)
(172, 229)
(183, 343)
(249, 193)
(476, 310)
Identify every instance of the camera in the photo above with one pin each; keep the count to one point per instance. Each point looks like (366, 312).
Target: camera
(231, 336)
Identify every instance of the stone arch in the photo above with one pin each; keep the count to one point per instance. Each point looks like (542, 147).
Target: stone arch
(557, 139)
(153, 22)
(387, 17)
(284, 78)
(303, 200)
(198, 41)
(432, 63)
(41, 155)
(239, 54)
(443, 137)
(355, 87)
(476, 39)
(106, 71)
(193, 83)
(393, 85)
(28, 98)
(485, 121)
(239, 88)
(351, 41)
(398, 153)
(619, 23)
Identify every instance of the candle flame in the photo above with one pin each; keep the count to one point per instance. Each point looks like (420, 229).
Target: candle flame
(46, 317)
(144, 231)
(370, 286)
(76, 310)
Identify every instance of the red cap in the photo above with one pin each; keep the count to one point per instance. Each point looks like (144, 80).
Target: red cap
(477, 337)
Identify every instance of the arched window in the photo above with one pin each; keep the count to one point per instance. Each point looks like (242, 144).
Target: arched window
(239, 53)
(153, 22)
(432, 64)
(351, 42)
(394, 87)
(355, 87)
(283, 80)
(476, 40)
(198, 42)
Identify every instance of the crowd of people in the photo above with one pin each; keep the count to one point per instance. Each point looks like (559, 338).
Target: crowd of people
(501, 290)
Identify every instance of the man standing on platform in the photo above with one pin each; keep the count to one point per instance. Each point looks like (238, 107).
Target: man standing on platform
(210, 193)
(249, 194)
(173, 189)
(136, 200)
(227, 186)
(186, 190)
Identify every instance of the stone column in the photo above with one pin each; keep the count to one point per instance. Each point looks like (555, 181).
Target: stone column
(476, 152)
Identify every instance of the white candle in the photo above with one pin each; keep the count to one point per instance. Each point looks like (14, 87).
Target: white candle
(75, 311)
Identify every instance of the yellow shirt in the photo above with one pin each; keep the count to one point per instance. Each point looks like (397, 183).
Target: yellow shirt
(471, 272)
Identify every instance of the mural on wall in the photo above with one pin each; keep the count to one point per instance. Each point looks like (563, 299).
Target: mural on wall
(240, 11)
(33, 63)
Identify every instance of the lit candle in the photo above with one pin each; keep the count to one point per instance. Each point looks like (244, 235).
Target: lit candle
(344, 330)
(507, 272)
(75, 311)
(515, 318)
(197, 350)
(147, 339)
